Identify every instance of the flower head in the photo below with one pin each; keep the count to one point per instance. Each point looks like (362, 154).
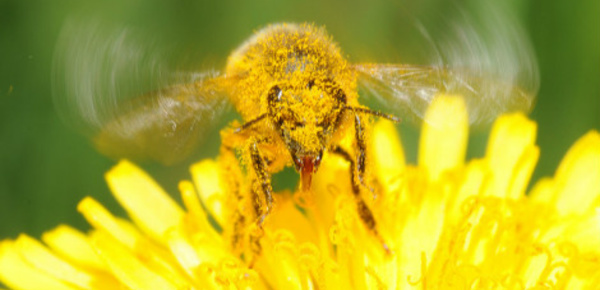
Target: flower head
(448, 223)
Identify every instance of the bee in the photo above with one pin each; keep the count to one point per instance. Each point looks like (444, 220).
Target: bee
(298, 97)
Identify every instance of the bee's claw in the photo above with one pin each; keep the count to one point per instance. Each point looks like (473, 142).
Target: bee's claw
(252, 262)
(386, 248)
(261, 220)
(370, 188)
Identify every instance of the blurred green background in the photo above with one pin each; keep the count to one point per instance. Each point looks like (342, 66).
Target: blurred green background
(46, 168)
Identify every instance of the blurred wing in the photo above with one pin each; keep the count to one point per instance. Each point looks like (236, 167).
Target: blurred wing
(165, 126)
(478, 52)
(114, 84)
(408, 90)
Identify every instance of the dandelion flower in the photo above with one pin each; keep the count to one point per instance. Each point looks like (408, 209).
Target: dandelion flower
(449, 223)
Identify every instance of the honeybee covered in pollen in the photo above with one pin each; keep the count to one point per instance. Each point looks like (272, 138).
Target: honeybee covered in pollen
(298, 97)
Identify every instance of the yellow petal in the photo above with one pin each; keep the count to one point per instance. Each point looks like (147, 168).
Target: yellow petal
(332, 180)
(279, 258)
(475, 174)
(365, 263)
(534, 266)
(523, 171)
(74, 245)
(187, 256)
(128, 269)
(16, 273)
(585, 233)
(41, 258)
(207, 178)
(578, 176)
(148, 205)
(419, 240)
(444, 135)
(287, 216)
(387, 151)
(511, 155)
(127, 236)
(196, 214)
(210, 264)
(543, 191)
(208, 245)
(101, 219)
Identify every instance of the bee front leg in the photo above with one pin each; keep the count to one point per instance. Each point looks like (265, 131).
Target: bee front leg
(254, 205)
(262, 186)
(262, 195)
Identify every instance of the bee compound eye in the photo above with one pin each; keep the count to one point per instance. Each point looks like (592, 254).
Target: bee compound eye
(339, 95)
(275, 93)
(318, 160)
(298, 162)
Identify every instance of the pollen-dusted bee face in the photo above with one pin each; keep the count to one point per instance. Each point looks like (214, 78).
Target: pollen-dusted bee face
(306, 117)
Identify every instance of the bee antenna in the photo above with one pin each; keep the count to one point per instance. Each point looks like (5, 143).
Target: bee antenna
(250, 123)
(374, 113)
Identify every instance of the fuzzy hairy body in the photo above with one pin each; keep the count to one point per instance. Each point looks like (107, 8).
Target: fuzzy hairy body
(309, 69)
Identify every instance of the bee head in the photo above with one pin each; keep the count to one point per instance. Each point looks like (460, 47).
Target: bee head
(306, 118)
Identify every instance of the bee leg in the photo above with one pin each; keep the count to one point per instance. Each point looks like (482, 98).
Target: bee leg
(359, 129)
(262, 196)
(263, 180)
(364, 212)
